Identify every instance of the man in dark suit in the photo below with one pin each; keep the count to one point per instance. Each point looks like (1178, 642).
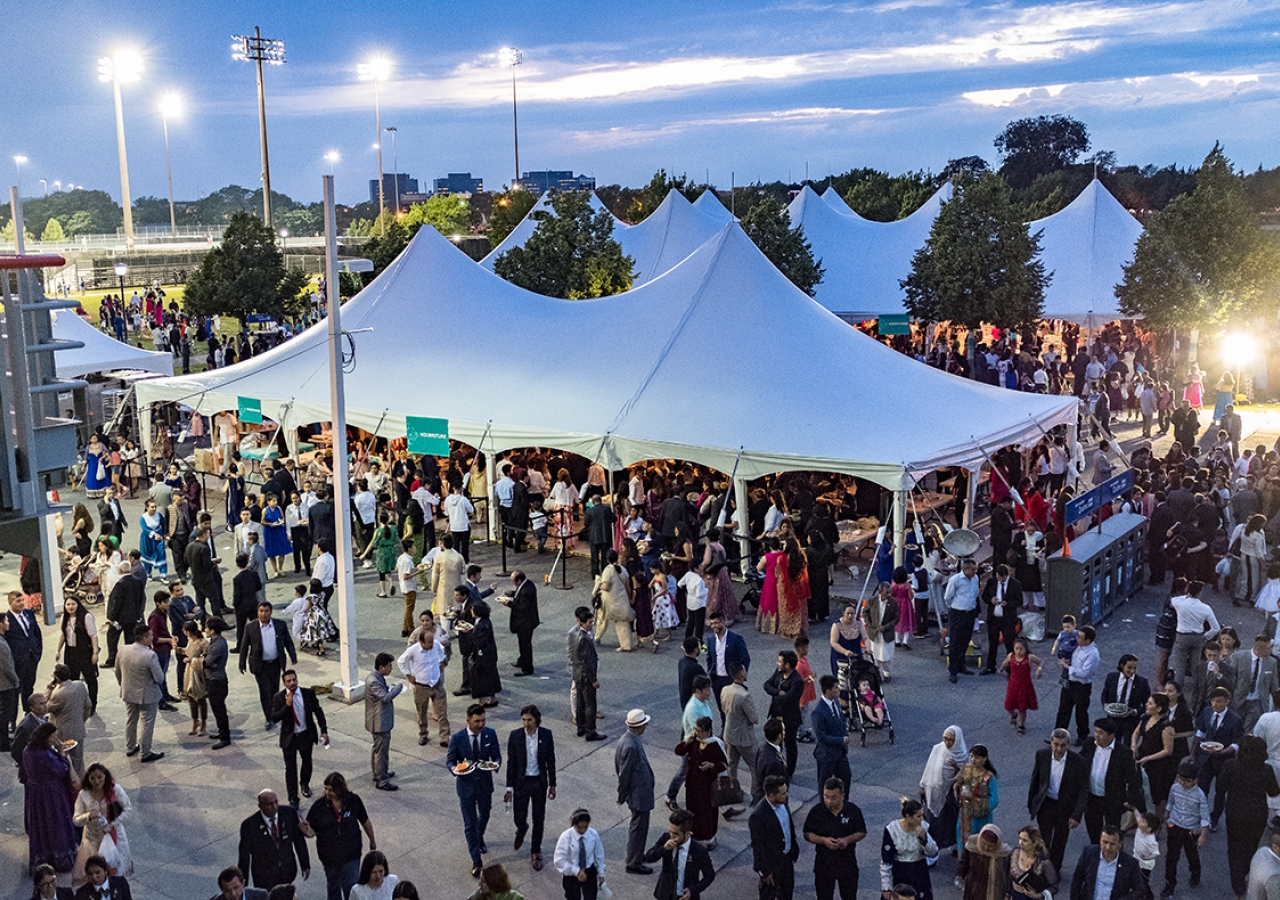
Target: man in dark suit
(320, 518)
(125, 607)
(584, 667)
(101, 884)
(786, 687)
(111, 515)
(231, 883)
(37, 715)
(205, 577)
(1127, 882)
(523, 603)
(770, 759)
(1058, 793)
(1003, 597)
(830, 735)
(1126, 686)
(1216, 723)
(677, 881)
(1114, 781)
(774, 849)
(476, 744)
(302, 726)
(531, 775)
(273, 847)
(725, 649)
(599, 521)
(265, 643)
(27, 644)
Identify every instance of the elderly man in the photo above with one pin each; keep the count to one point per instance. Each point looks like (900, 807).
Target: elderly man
(69, 709)
(273, 843)
(635, 788)
(37, 715)
(140, 677)
(1058, 793)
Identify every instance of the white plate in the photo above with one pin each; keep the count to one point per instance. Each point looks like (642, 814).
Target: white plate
(1211, 746)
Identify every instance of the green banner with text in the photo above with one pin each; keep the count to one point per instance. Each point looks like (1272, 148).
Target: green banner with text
(250, 410)
(428, 436)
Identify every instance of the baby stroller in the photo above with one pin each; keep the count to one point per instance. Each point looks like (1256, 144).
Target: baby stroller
(76, 584)
(850, 675)
(755, 583)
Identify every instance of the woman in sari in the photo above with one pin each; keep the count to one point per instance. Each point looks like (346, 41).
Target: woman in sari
(793, 592)
(767, 613)
(97, 477)
(720, 595)
(977, 794)
(47, 814)
(152, 543)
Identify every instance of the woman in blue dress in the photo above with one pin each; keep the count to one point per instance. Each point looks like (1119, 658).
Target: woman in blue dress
(275, 534)
(97, 476)
(235, 496)
(152, 543)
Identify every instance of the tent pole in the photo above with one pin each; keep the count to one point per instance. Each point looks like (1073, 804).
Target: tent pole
(899, 527)
(972, 500)
(744, 522)
(490, 468)
(350, 689)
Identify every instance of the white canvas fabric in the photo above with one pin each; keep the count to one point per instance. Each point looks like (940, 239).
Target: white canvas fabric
(709, 204)
(521, 232)
(1085, 245)
(101, 352)
(725, 361)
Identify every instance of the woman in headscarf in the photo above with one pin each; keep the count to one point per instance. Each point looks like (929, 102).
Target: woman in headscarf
(945, 760)
(984, 867)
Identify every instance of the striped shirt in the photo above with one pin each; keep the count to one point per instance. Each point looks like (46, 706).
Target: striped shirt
(1188, 807)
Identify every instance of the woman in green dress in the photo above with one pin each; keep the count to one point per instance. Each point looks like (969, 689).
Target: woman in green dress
(385, 548)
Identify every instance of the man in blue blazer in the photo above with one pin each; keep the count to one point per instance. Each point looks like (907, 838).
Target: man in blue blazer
(475, 744)
(725, 649)
(27, 644)
(1126, 884)
(830, 735)
(1216, 723)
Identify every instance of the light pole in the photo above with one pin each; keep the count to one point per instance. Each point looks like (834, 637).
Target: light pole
(170, 105)
(57, 185)
(395, 166)
(332, 156)
(44, 183)
(377, 70)
(512, 57)
(259, 50)
(122, 66)
(17, 165)
(121, 268)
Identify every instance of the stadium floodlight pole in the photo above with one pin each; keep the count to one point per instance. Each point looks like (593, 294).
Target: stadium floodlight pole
(377, 70)
(17, 167)
(332, 156)
(122, 66)
(259, 50)
(512, 57)
(395, 166)
(170, 105)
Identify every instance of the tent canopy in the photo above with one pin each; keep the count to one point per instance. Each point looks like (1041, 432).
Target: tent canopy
(101, 352)
(669, 234)
(521, 232)
(830, 398)
(1085, 245)
(864, 260)
(836, 202)
(709, 204)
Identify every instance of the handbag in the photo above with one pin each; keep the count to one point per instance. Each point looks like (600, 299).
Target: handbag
(726, 791)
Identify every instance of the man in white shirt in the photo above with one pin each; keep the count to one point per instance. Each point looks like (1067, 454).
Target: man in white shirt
(695, 591)
(458, 509)
(324, 571)
(423, 666)
(1195, 618)
(961, 598)
(1078, 688)
(407, 576)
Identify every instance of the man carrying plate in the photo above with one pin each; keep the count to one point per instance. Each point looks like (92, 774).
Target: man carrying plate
(474, 755)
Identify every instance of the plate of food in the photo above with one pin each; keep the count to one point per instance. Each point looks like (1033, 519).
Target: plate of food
(464, 626)
(487, 765)
(68, 746)
(465, 767)
(1210, 746)
(1117, 709)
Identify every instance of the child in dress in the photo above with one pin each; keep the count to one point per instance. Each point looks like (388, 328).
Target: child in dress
(871, 705)
(319, 626)
(805, 671)
(1145, 846)
(1020, 695)
(296, 612)
(662, 589)
(1064, 645)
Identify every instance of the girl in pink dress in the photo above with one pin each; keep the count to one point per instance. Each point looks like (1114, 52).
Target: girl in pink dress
(1020, 695)
(905, 596)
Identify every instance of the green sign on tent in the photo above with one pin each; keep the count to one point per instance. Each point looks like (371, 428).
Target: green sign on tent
(428, 436)
(894, 325)
(250, 410)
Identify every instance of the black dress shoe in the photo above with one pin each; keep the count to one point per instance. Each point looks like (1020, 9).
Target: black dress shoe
(520, 832)
(168, 707)
(953, 678)
(987, 672)
(596, 736)
(306, 790)
(475, 871)
(222, 743)
(152, 757)
(134, 752)
(461, 693)
(387, 786)
(639, 870)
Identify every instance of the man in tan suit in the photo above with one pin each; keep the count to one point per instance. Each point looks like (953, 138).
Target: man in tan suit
(140, 676)
(740, 720)
(380, 717)
(69, 709)
(448, 570)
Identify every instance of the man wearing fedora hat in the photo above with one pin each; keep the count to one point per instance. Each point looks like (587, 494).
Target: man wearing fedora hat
(635, 788)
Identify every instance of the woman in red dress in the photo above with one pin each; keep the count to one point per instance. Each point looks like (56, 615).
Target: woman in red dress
(705, 760)
(767, 614)
(1021, 693)
(793, 591)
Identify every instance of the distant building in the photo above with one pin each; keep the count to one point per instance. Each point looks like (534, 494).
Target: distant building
(407, 200)
(393, 184)
(459, 183)
(549, 179)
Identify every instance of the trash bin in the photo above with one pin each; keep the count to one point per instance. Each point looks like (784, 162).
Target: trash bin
(1103, 571)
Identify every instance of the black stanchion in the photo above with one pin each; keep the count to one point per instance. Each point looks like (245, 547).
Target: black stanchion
(503, 534)
(563, 559)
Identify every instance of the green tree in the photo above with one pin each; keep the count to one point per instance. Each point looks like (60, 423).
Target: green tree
(245, 275)
(101, 214)
(1204, 259)
(1034, 146)
(767, 225)
(882, 197)
(382, 250)
(571, 253)
(7, 233)
(979, 263)
(304, 221)
(509, 208)
(155, 211)
(971, 165)
(448, 214)
(81, 222)
(53, 231)
(653, 193)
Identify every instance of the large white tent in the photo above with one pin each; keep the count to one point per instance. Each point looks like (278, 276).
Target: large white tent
(711, 205)
(726, 364)
(864, 260)
(1086, 245)
(521, 232)
(101, 352)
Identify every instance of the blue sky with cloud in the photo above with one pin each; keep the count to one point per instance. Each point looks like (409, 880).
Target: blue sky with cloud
(617, 90)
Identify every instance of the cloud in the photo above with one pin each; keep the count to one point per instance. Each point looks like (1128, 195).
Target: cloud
(1149, 90)
(993, 37)
(622, 136)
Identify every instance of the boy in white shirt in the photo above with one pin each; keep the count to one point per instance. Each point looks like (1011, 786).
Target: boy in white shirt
(695, 603)
(407, 573)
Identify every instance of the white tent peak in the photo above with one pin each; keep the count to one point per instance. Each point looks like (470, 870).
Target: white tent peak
(928, 210)
(101, 352)
(709, 204)
(1085, 245)
(836, 202)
